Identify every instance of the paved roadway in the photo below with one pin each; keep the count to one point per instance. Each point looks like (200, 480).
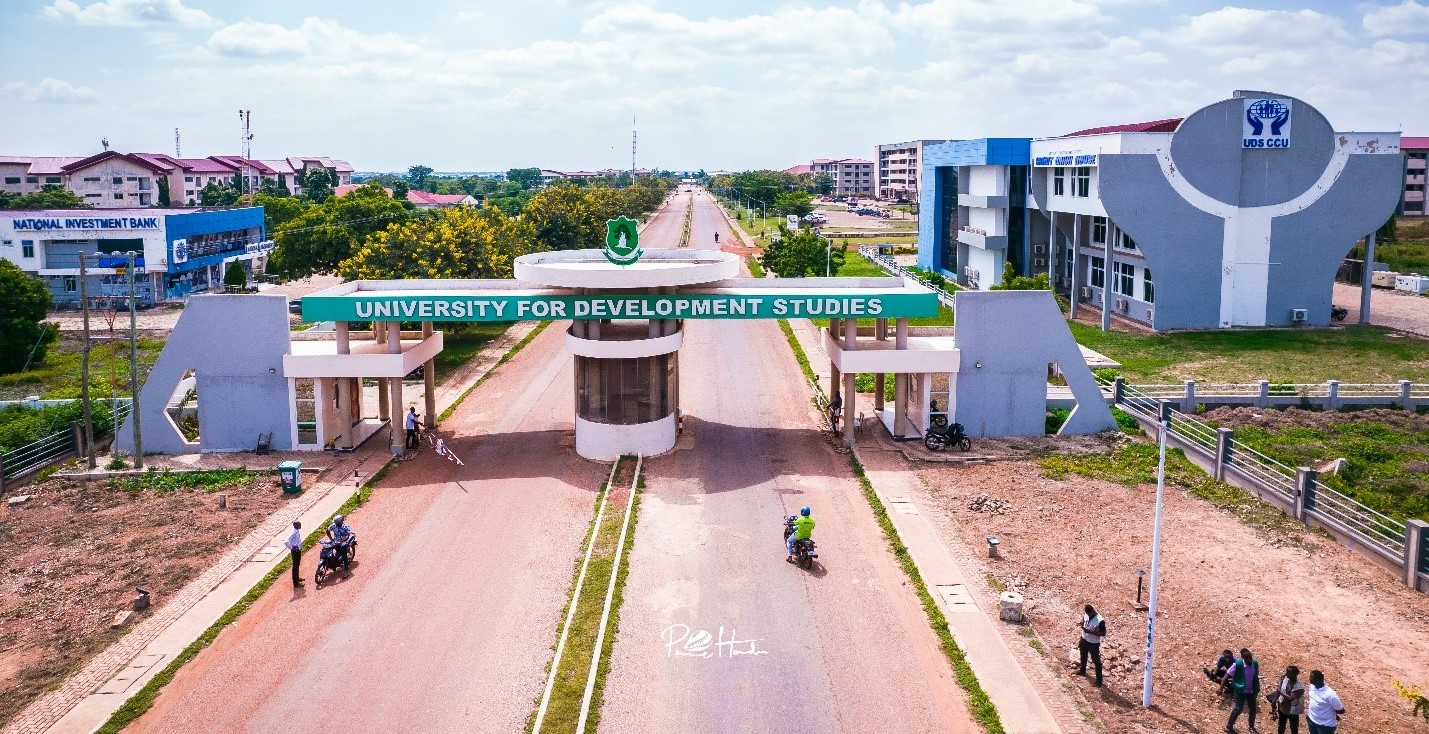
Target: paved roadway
(448, 619)
(843, 648)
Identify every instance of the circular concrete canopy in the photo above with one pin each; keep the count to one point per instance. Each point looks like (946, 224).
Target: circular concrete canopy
(655, 268)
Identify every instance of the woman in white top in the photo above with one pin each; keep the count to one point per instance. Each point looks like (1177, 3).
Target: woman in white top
(1292, 700)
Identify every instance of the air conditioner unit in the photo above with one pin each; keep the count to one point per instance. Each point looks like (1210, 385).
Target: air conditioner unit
(1040, 262)
(1299, 315)
(1150, 312)
(1039, 249)
(1121, 304)
(1086, 291)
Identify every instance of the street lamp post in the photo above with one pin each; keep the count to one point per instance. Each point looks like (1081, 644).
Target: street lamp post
(1165, 418)
(134, 369)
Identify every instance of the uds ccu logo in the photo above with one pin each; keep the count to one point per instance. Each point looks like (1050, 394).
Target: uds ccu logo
(1266, 124)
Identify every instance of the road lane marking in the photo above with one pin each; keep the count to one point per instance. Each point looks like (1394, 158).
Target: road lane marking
(609, 595)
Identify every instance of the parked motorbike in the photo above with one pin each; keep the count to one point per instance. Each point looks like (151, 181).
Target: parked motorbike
(941, 437)
(335, 555)
(804, 554)
(1338, 313)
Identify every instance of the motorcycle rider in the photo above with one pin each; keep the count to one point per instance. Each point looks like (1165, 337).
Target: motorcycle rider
(803, 530)
(342, 535)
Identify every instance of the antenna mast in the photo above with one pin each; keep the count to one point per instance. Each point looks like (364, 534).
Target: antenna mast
(246, 149)
(177, 154)
(633, 131)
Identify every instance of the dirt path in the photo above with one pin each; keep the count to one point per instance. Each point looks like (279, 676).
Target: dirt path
(447, 621)
(1292, 599)
(1395, 309)
(845, 647)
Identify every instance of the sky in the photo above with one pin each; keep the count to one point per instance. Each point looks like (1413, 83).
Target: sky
(727, 85)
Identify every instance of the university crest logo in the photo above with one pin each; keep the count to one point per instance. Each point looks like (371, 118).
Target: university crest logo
(622, 241)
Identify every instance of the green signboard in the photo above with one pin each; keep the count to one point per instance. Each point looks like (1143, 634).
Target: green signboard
(373, 306)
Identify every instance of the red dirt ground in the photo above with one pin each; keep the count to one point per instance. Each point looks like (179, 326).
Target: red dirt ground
(1292, 597)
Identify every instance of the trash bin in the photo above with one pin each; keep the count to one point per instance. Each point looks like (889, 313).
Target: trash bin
(290, 476)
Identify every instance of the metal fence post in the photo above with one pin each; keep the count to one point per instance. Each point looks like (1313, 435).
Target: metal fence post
(1163, 417)
(78, 433)
(1264, 399)
(1414, 536)
(1188, 403)
(1333, 388)
(1225, 438)
(1406, 391)
(1118, 390)
(2, 473)
(1305, 478)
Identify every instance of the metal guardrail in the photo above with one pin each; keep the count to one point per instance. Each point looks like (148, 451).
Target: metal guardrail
(1331, 395)
(892, 267)
(32, 457)
(1374, 530)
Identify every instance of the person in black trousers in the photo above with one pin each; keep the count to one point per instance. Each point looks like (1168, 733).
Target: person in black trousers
(1093, 629)
(295, 548)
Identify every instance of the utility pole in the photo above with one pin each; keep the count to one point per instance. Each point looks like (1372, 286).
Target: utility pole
(1165, 418)
(134, 371)
(84, 363)
(177, 154)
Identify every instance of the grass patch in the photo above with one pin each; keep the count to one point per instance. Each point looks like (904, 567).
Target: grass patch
(755, 268)
(1353, 354)
(512, 352)
(168, 482)
(979, 705)
(573, 669)
(995, 582)
(462, 342)
(944, 318)
(858, 266)
(58, 376)
(1410, 254)
(143, 700)
(799, 355)
(1133, 464)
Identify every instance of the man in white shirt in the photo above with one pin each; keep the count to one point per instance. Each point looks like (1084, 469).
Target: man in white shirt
(1322, 705)
(1093, 629)
(295, 548)
(411, 426)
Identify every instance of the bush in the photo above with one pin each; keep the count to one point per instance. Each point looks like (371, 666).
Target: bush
(20, 425)
(24, 302)
(236, 277)
(1055, 418)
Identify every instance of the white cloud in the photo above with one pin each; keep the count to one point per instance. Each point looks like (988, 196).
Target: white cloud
(314, 37)
(1253, 29)
(248, 38)
(50, 90)
(127, 13)
(1406, 17)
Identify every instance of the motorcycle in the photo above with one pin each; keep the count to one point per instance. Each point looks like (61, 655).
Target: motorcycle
(1338, 313)
(335, 554)
(804, 554)
(941, 437)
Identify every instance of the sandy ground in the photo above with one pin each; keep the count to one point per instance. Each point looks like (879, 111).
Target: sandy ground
(1395, 309)
(447, 621)
(163, 317)
(71, 557)
(1292, 598)
(844, 647)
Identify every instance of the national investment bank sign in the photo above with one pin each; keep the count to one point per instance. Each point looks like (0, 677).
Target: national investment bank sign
(38, 224)
(455, 307)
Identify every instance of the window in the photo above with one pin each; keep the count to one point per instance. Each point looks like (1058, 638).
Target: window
(91, 196)
(1058, 185)
(27, 248)
(118, 180)
(1125, 279)
(1148, 289)
(52, 179)
(91, 179)
(188, 179)
(119, 196)
(12, 179)
(32, 179)
(71, 284)
(1099, 230)
(1124, 242)
(1097, 273)
(1082, 182)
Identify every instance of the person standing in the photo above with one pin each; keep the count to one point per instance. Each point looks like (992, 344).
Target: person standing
(1292, 701)
(1093, 629)
(1323, 708)
(1244, 677)
(411, 426)
(295, 549)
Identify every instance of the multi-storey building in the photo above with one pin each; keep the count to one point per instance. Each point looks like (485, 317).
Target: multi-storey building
(851, 176)
(898, 165)
(1416, 159)
(1243, 224)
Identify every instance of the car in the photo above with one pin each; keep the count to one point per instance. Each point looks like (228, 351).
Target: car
(295, 305)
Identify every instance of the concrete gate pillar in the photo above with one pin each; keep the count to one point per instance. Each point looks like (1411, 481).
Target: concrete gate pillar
(394, 392)
(429, 376)
(850, 394)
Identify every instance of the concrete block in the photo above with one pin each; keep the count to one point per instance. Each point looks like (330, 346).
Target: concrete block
(123, 618)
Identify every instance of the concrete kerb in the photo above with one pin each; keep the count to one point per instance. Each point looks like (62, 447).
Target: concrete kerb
(86, 700)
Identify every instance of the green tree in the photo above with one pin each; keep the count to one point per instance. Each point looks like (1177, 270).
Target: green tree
(278, 210)
(1389, 231)
(218, 194)
(823, 184)
(460, 242)
(561, 218)
(24, 300)
(317, 184)
(801, 254)
(50, 196)
(400, 189)
(1011, 281)
(235, 276)
(529, 178)
(325, 234)
(164, 191)
(276, 189)
(417, 177)
(797, 203)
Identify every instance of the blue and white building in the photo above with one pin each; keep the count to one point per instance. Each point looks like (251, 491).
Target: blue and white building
(1217, 220)
(180, 251)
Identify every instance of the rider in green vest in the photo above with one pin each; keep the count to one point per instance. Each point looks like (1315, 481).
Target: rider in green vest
(803, 530)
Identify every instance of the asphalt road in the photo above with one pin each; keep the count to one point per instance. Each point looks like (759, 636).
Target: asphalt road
(448, 619)
(844, 647)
